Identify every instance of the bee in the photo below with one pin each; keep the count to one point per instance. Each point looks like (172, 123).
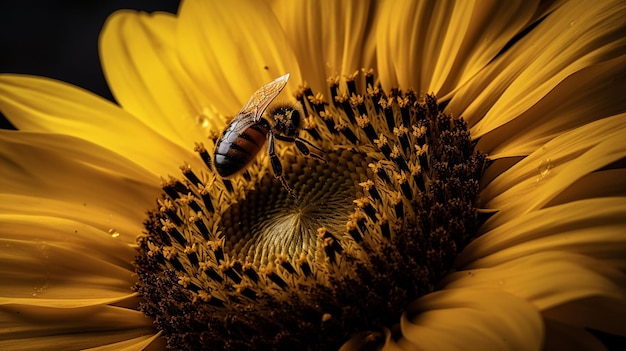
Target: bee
(247, 132)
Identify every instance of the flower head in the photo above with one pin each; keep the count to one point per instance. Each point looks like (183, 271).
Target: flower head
(392, 203)
(466, 191)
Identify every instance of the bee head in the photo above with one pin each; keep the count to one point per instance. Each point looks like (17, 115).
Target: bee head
(287, 118)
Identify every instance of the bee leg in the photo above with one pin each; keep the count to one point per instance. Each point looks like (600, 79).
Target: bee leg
(301, 144)
(277, 168)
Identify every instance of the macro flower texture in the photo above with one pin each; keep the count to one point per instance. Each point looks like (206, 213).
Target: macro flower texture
(430, 175)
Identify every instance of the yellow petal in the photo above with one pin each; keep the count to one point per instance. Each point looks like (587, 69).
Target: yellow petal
(435, 47)
(43, 105)
(328, 37)
(139, 59)
(546, 279)
(484, 319)
(145, 342)
(65, 177)
(110, 248)
(566, 146)
(539, 178)
(602, 183)
(231, 48)
(592, 227)
(60, 263)
(576, 35)
(37, 328)
(87, 213)
(593, 93)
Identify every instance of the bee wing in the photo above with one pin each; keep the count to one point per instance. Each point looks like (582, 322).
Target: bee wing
(261, 99)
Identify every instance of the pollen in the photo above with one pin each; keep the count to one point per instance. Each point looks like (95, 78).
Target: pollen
(317, 99)
(239, 263)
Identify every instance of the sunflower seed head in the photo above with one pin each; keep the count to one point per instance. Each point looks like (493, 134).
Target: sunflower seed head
(239, 264)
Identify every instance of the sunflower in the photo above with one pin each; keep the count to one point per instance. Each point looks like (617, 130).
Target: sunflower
(457, 180)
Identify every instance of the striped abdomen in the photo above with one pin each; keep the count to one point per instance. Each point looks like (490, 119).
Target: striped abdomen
(239, 144)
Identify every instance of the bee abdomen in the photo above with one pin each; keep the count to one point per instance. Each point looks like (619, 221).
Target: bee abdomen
(238, 147)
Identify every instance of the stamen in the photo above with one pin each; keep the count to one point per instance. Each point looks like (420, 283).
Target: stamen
(204, 155)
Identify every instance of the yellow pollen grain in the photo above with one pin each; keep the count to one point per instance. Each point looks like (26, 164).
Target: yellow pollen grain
(376, 167)
(186, 199)
(225, 266)
(381, 141)
(362, 202)
(341, 98)
(205, 190)
(215, 244)
(400, 130)
(184, 280)
(333, 80)
(356, 100)
(368, 71)
(341, 126)
(421, 150)
(316, 99)
(384, 219)
(415, 169)
(213, 134)
(395, 153)
(154, 251)
(169, 252)
(356, 216)
(396, 197)
(309, 123)
(403, 101)
(367, 185)
(418, 132)
(321, 232)
(351, 225)
(362, 121)
(165, 205)
(199, 147)
(203, 295)
(167, 225)
(329, 241)
(352, 76)
(300, 92)
(385, 102)
(281, 258)
(190, 249)
(204, 265)
(302, 259)
(268, 270)
(239, 288)
(168, 182)
(326, 116)
(373, 91)
(401, 177)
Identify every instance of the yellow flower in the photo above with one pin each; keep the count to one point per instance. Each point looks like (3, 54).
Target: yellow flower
(397, 238)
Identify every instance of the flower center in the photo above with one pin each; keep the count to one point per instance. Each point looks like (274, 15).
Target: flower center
(239, 264)
(269, 222)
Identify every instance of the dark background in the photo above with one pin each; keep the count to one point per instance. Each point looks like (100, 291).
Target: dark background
(59, 39)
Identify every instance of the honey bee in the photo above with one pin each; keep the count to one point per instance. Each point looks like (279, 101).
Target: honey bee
(247, 132)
